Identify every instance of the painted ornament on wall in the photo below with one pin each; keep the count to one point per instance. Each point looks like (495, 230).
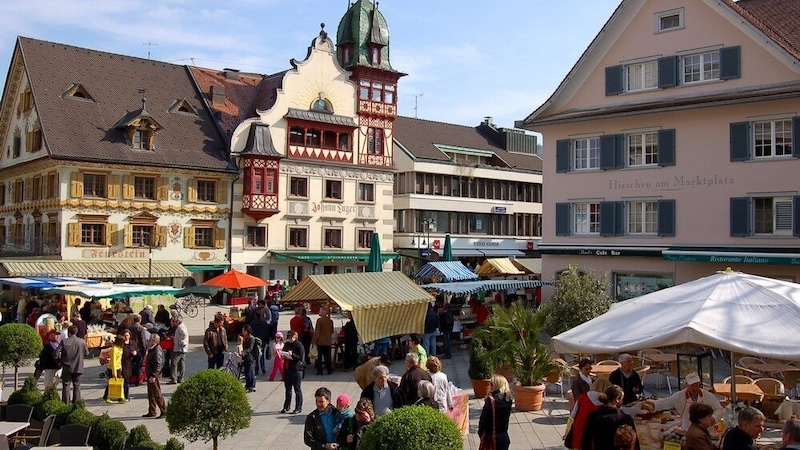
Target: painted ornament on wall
(177, 189)
(174, 232)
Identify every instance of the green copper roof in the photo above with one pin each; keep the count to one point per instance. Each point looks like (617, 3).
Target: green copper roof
(362, 25)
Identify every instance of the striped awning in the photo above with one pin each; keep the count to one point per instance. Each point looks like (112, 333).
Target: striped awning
(532, 265)
(498, 266)
(445, 271)
(96, 269)
(383, 303)
(471, 287)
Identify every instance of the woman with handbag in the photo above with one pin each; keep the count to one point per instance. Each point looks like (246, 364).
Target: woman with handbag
(493, 424)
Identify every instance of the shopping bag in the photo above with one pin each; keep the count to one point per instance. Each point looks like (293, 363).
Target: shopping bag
(313, 353)
(115, 388)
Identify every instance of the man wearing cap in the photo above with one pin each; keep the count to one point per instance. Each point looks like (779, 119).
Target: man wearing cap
(627, 379)
(681, 400)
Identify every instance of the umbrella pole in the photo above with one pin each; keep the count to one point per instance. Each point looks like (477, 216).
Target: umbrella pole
(733, 381)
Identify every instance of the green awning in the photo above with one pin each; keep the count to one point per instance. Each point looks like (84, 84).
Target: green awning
(206, 268)
(724, 257)
(329, 256)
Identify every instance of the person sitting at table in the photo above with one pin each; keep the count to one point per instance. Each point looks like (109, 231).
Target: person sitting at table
(697, 436)
(627, 378)
(743, 436)
(681, 401)
(790, 435)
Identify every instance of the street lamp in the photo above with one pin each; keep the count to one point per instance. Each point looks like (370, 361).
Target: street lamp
(142, 235)
(429, 223)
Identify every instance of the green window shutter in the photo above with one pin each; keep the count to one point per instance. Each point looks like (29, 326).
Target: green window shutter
(666, 148)
(740, 216)
(563, 222)
(730, 63)
(614, 80)
(563, 160)
(740, 141)
(668, 71)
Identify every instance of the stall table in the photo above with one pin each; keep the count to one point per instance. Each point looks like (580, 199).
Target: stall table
(748, 392)
(460, 412)
(99, 340)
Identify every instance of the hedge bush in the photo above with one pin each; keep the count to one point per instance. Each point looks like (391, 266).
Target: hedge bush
(28, 395)
(137, 435)
(60, 409)
(174, 444)
(107, 433)
(81, 416)
(413, 428)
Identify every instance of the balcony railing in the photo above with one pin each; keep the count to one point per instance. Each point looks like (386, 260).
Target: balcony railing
(40, 246)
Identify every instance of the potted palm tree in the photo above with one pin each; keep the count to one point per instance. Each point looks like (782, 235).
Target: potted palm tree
(512, 339)
(479, 370)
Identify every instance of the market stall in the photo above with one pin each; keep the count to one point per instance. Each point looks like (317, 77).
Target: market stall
(502, 267)
(382, 303)
(444, 271)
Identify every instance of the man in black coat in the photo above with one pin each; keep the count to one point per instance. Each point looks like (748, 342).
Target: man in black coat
(318, 432)
(154, 364)
(293, 372)
(743, 436)
(407, 391)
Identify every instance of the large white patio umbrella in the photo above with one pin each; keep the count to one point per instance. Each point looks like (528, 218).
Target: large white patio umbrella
(729, 310)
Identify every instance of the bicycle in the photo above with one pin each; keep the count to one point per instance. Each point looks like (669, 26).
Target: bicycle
(232, 367)
(190, 305)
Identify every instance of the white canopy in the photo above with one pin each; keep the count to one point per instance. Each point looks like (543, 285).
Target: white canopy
(733, 311)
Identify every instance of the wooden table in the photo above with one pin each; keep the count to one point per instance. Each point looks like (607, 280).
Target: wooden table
(749, 392)
(9, 428)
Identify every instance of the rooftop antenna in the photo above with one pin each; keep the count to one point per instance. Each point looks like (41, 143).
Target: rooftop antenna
(416, 105)
(149, 45)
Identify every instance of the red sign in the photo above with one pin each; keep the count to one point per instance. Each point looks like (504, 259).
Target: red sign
(529, 245)
(437, 243)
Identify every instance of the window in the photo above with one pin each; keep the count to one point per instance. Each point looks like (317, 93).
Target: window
(669, 20)
(94, 185)
(260, 181)
(320, 138)
(298, 187)
(19, 191)
(142, 139)
(256, 237)
(764, 139)
(772, 215)
(700, 67)
(143, 236)
(17, 146)
(642, 149)
(52, 185)
(630, 285)
(313, 137)
(641, 76)
(26, 100)
(364, 239)
(297, 135)
(642, 217)
(333, 190)
(366, 192)
(33, 140)
(772, 138)
(93, 234)
(203, 237)
(333, 238)
(586, 218)
(38, 193)
(206, 191)
(587, 153)
(298, 237)
(2, 194)
(376, 91)
(375, 141)
(144, 188)
(375, 54)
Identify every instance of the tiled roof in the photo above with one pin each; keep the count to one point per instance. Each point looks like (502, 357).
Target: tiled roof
(239, 95)
(83, 130)
(420, 136)
(778, 19)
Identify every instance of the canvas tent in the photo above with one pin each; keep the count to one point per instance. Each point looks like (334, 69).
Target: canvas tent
(471, 287)
(382, 303)
(493, 267)
(733, 311)
(444, 271)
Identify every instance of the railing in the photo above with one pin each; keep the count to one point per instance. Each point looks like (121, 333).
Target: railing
(18, 246)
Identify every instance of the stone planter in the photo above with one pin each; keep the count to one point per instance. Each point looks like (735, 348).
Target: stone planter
(528, 398)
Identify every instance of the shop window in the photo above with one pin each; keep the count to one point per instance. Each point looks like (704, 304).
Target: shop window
(631, 285)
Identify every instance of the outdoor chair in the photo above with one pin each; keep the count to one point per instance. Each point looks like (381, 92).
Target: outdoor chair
(770, 385)
(740, 379)
(608, 362)
(791, 380)
(74, 434)
(642, 371)
(38, 436)
(743, 366)
(19, 413)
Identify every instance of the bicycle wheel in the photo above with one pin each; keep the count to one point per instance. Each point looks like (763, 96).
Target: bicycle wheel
(191, 310)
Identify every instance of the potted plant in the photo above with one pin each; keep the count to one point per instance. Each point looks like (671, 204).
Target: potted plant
(479, 370)
(512, 338)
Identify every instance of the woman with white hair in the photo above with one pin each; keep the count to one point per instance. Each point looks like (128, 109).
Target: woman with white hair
(425, 392)
(493, 424)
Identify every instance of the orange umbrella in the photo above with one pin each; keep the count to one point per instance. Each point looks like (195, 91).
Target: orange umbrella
(233, 279)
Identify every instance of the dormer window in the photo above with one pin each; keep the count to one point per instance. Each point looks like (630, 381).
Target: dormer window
(182, 107)
(142, 140)
(77, 92)
(140, 129)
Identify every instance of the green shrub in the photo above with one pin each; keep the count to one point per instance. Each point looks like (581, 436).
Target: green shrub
(28, 395)
(174, 444)
(137, 436)
(579, 297)
(150, 444)
(107, 433)
(20, 345)
(81, 416)
(57, 407)
(51, 393)
(413, 428)
(479, 368)
(209, 405)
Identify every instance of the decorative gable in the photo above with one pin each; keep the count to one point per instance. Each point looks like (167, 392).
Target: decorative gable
(140, 129)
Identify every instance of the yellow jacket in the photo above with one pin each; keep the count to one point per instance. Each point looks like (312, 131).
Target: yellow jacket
(115, 360)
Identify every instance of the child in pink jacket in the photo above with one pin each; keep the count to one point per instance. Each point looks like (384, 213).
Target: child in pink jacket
(277, 363)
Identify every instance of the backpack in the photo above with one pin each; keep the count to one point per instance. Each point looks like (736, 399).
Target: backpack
(275, 314)
(257, 347)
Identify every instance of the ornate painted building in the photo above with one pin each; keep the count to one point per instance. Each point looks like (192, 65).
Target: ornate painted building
(117, 173)
(315, 146)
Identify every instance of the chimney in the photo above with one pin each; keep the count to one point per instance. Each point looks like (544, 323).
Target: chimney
(231, 74)
(488, 121)
(217, 95)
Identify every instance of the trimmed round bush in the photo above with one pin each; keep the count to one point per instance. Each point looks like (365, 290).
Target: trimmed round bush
(174, 444)
(57, 407)
(107, 433)
(28, 395)
(207, 406)
(137, 436)
(413, 428)
(81, 416)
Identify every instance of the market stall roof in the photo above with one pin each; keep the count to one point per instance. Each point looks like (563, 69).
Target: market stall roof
(471, 287)
(498, 267)
(44, 282)
(108, 290)
(383, 303)
(445, 271)
(96, 269)
(729, 310)
(532, 265)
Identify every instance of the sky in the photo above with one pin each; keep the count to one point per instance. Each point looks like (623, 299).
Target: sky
(465, 59)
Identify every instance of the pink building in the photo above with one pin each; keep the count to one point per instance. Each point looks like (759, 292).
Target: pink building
(671, 148)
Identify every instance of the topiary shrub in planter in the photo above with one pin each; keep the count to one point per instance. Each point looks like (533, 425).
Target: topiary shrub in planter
(60, 409)
(479, 369)
(137, 436)
(28, 395)
(413, 428)
(107, 433)
(174, 444)
(81, 416)
(207, 406)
